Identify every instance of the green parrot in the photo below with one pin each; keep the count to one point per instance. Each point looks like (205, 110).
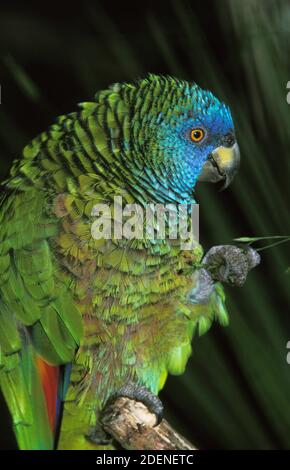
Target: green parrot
(85, 318)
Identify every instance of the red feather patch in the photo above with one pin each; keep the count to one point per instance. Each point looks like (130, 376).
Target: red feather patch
(49, 376)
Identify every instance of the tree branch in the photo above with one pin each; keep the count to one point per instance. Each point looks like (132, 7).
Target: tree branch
(132, 425)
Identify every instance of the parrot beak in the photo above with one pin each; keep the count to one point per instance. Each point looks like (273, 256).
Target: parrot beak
(222, 164)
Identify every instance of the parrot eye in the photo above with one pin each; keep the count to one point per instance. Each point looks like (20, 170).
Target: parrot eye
(197, 134)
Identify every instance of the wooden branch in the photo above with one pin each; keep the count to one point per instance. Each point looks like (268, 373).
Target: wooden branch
(132, 425)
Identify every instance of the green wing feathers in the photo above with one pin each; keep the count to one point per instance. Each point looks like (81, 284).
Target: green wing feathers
(37, 315)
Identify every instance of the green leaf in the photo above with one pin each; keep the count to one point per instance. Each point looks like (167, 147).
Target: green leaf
(256, 239)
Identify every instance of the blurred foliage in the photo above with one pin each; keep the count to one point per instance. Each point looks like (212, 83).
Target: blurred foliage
(235, 393)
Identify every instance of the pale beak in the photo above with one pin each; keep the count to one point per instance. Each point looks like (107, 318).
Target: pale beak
(222, 164)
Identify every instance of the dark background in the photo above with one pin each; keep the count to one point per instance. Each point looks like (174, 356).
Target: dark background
(235, 393)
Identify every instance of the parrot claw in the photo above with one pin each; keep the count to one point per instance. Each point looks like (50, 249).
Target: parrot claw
(140, 393)
(230, 264)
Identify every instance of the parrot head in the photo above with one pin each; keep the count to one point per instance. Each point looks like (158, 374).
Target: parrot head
(186, 134)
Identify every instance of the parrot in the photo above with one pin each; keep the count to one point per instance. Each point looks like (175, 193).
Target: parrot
(84, 319)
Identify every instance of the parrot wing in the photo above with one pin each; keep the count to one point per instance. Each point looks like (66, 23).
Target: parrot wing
(40, 327)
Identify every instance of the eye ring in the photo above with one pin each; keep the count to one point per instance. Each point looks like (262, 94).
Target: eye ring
(197, 134)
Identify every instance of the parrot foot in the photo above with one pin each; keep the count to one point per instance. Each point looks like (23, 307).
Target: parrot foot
(140, 393)
(230, 264)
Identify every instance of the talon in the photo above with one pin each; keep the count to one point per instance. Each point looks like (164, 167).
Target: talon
(142, 394)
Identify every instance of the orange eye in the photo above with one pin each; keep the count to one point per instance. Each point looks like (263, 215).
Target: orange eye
(197, 134)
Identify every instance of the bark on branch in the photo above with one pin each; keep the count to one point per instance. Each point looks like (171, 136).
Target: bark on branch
(132, 425)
